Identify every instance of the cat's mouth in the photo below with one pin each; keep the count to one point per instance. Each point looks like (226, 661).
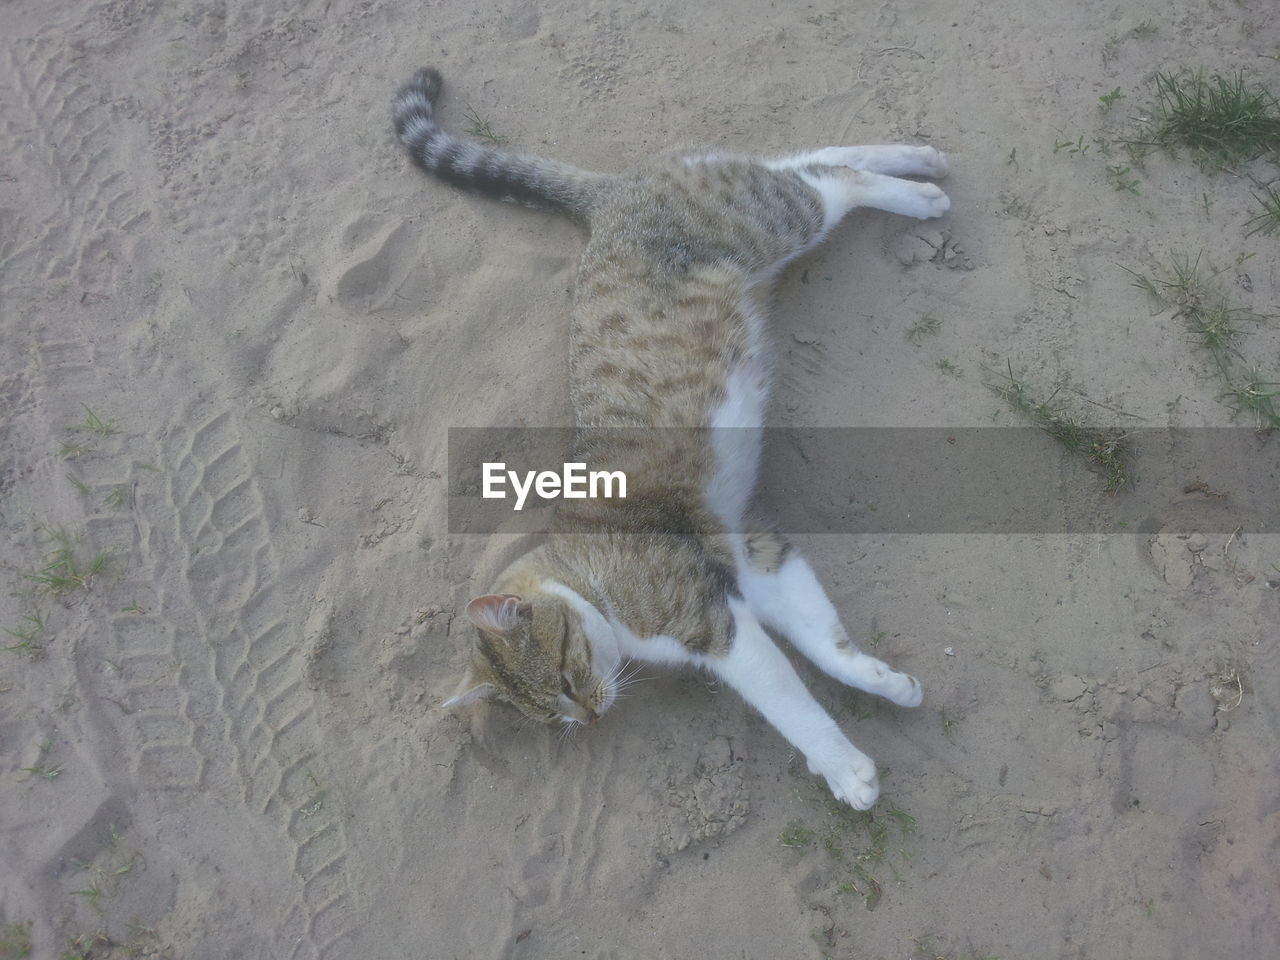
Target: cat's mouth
(571, 711)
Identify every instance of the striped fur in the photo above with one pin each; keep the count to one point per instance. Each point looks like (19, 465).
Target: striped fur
(496, 173)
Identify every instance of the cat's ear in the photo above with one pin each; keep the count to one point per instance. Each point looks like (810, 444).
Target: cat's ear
(499, 613)
(469, 693)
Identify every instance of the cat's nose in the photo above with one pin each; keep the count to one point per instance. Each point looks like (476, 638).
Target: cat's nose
(592, 716)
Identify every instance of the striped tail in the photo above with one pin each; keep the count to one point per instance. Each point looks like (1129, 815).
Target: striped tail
(516, 179)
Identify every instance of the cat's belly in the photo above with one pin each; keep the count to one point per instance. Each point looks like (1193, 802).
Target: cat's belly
(737, 438)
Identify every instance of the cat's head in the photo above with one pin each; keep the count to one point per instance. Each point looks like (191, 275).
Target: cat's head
(534, 654)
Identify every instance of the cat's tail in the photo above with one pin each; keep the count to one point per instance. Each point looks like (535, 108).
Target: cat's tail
(506, 176)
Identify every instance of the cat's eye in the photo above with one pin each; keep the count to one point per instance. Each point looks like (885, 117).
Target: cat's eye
(566, 687)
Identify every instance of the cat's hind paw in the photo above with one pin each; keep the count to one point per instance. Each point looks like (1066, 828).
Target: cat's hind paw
(931, 162)
(908, 198)
(924, 201)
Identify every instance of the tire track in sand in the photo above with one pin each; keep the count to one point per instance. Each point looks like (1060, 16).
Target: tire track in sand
(202, 660)
(64, 126)
(256, 662)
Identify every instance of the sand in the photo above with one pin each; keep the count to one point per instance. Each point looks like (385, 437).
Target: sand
(237, 325)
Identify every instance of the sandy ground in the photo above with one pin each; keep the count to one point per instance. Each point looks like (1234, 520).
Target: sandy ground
(225, 741)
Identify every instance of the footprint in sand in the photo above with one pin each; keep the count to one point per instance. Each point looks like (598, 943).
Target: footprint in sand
(379, 256)
(1173, 559)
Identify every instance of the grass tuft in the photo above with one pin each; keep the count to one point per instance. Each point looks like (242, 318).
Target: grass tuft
(1222, 120)
(479, 128)
(1120, 179)
(118, 496)
(1214, 323)
(108, 870)
(1076, 147)
(64, 569)
(860, 844)
(1105, 449)
(15, 940)
(29, 636)
(1268, 221)
(796, 834)
(950, 369)
(96, 425)
(949, 725)
(46, 771)
(926, 326)
(1254, 395)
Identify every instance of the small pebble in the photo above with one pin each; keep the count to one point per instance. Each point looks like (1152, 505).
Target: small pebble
(949, 651)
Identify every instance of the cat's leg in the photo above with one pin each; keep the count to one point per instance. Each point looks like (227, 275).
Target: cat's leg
(843, 189)
(781, 589)
(894, 159)
(759, 671)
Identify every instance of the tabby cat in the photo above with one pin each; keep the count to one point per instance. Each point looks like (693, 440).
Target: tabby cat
(669, 332)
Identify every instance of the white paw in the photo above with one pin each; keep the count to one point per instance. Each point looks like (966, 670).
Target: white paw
(931, 163)
(856, 783)
(895, 160)
(904, 690)
(876, 676)
(924, 201)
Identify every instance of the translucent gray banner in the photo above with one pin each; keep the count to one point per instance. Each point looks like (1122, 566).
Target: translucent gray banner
(884, 480)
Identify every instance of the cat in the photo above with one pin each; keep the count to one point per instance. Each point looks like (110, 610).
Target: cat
(669, 332)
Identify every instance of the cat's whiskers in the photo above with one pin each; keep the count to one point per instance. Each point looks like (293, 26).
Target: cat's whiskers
(625, 675)
(569, 729)
(628, 679)
(633, 677)
(620, 693)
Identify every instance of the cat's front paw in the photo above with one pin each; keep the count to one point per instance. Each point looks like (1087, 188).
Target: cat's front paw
(904, 690)
(876, 676)
(854, 781)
